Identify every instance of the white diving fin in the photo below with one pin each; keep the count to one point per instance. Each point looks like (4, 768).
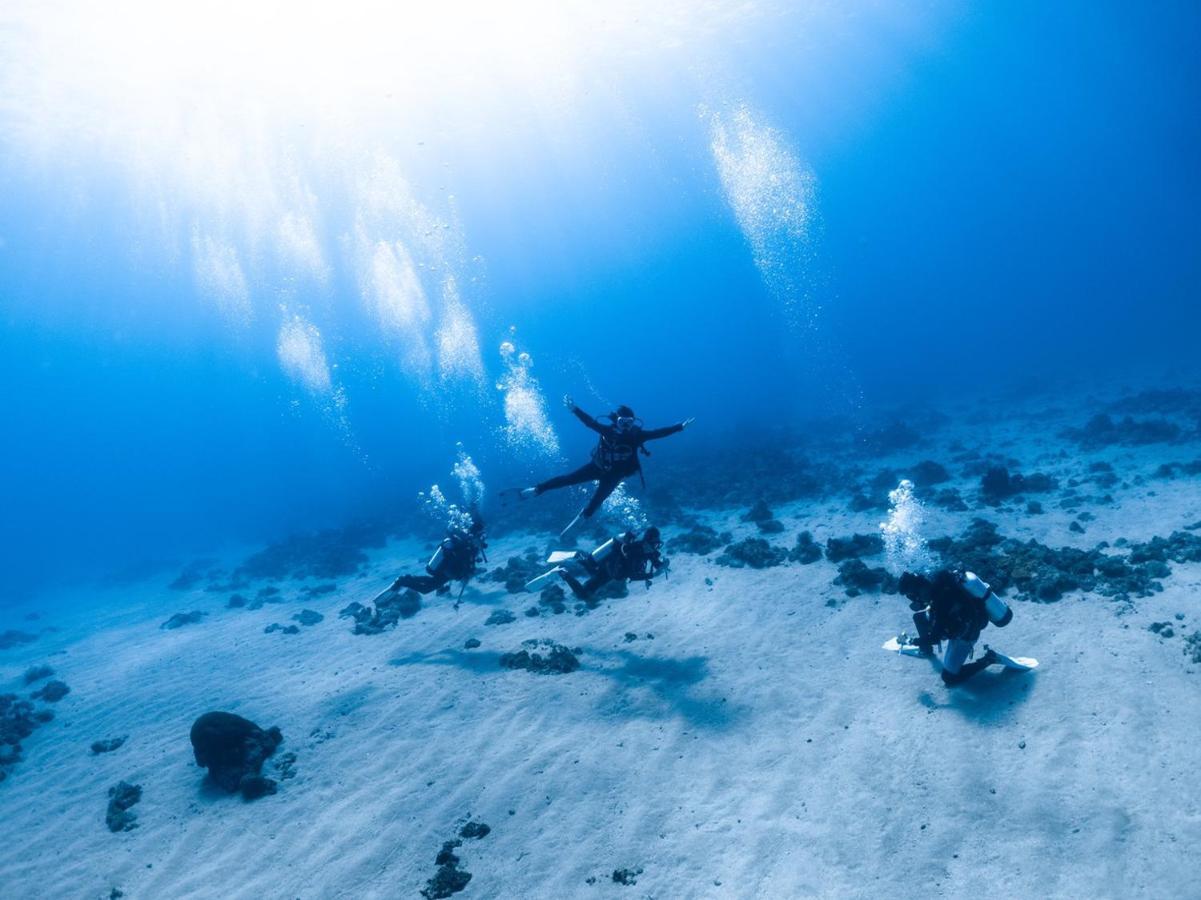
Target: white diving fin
(536, 584)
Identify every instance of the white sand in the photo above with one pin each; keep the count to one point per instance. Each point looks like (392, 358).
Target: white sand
(761, 745)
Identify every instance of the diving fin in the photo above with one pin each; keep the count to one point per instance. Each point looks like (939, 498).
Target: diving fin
(391, 589)
(561, 556)
(570, 525)
(536, 584)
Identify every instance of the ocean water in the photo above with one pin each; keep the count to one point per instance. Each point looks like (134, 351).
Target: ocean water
(239, 299)
(271, 270)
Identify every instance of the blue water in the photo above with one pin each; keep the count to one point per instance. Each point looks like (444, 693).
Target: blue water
(773, 213)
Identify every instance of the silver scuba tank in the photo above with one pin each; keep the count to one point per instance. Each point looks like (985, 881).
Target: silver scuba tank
(998, 610)
(604, 550)
(435, 562)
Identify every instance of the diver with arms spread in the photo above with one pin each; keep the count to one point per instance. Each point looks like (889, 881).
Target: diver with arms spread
(614, 459)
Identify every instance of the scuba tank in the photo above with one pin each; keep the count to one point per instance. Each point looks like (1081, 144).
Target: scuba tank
(998, 610)
(601, 553)
(435, 562)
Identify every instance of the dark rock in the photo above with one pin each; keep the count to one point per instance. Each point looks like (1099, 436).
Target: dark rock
(52, 691)
(326, 555)
(1163, 629)
(285, 765)
(450, 879)
(1034, 508)
(806, 550)
(519, 570)
(1104, 431)
(1045, 574)
(554, 598)
(282, 629)
(37, 673)
(18, 720)
(926, 473)
(308, 617)
(255, 786)
(626, 876)
(861, 502)
(701, 540)
(318, 590)
(1192, 646)
(180, 619)
(389, 610)
(1076, 528)
(754, 553)
(474, 830)
(500, 617)
(838, 549)
(949, 499)
(544, 657)
(11, 638)
(771, 526)
(236, 601)
(106, 746)
(997, 484)
(856, 578)
(194, 573)
(471, 643)
(120, 799)
(233, 749)
(758, 513)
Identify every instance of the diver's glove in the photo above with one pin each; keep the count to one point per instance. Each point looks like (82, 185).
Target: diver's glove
(687, 421)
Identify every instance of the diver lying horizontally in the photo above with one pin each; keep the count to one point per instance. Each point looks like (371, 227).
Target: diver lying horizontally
(614, 459)
(623, 558)
(454, 560)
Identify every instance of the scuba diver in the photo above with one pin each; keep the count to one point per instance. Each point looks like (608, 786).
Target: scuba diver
(454, 560)
(615, 458)
(955, 607)
(626, 557)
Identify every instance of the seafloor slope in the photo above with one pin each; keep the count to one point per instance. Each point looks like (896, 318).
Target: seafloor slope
(736, 731)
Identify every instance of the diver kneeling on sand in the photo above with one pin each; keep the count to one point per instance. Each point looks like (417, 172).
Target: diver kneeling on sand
(955, 607)
(626, 557)
(614, 459)
(455, 559)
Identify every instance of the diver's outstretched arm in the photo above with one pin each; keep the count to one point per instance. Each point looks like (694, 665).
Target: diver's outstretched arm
(587, 419)
(653, 434)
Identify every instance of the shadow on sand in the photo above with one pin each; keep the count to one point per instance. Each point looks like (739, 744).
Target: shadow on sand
(989, 698)
(642, 686)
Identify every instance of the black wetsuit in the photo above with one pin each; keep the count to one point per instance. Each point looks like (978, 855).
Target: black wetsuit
(614, 459)
(460, 553)
(630, 560)
(945, 610)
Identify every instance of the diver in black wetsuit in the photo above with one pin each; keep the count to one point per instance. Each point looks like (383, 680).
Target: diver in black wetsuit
(454, 560)
(955, 607)
(614, 459)
(624, 558)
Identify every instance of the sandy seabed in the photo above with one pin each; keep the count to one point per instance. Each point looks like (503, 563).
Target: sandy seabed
(730, 732)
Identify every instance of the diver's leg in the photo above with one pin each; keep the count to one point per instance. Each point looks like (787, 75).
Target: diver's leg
(608, 484)
(925, 631)
(955, 670)
(586, 472)
(422, 584)
(574, 583)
